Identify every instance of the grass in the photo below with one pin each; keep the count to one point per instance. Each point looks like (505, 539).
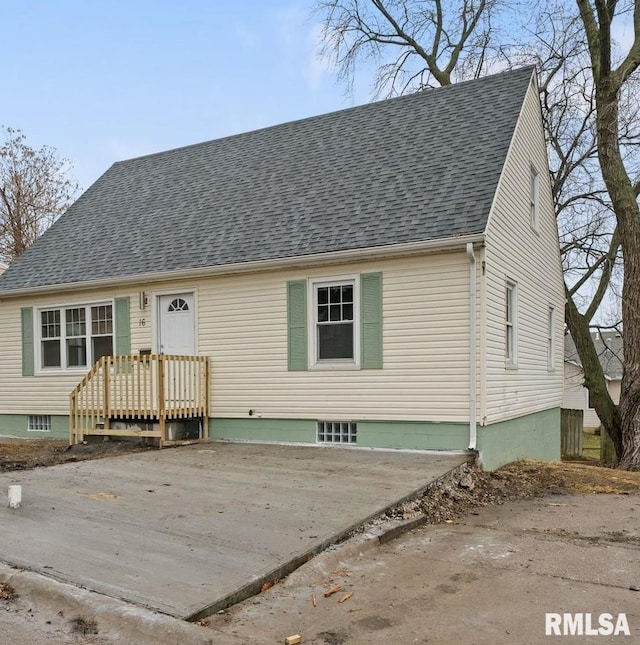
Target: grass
(590, 446)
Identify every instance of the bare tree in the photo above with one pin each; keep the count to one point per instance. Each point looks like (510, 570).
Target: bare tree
(609, 80)
(419, 43)
(415, 43)
(34, 191)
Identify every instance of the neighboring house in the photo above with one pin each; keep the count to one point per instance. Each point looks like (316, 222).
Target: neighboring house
(3, 267)
(609, 346)
(385, 276)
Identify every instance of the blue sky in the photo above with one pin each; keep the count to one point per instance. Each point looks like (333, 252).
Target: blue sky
(104, 80)
(107, 80)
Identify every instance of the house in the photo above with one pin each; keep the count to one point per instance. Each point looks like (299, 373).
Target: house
(3, 267)
(609, 347)
(385, 276)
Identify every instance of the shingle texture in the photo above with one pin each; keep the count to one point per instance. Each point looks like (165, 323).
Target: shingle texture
(609, 346)
(414, 168)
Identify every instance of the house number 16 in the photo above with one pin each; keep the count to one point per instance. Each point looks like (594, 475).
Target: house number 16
(142, 322)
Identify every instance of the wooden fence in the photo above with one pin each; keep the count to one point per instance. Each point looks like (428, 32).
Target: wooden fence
(571, 433)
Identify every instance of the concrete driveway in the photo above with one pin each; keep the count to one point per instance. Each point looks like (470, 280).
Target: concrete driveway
(489, 578)
(190, 530)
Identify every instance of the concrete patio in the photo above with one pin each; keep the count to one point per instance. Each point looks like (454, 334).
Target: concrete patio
(188, 531)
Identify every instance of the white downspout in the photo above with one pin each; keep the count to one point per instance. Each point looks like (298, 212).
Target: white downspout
(472, 348)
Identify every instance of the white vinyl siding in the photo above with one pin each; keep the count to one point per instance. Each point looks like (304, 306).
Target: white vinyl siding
(48, 391)
(425, 346)
(533, 262)
(242, 326)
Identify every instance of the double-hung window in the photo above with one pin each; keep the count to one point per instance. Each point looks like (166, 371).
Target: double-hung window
(335, 331)
(510, 323)
(51, 334)
(75, 336)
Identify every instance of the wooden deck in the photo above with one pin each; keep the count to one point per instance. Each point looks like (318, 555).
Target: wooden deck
(136, 396)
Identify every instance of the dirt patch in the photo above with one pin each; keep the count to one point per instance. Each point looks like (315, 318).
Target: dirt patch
(608, 537)
(22, 454)
(468, 487)
(84, 626)
(584, 477)
(572, 477)
(7, 592)
(333, 638)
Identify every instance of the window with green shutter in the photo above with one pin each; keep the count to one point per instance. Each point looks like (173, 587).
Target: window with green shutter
(344, 318)
(371, 321)
(123, 326)
(297, 325)
(28, 358)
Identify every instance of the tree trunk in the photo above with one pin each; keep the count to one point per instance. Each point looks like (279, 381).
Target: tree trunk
(594, 379)
(608, 83)
(625, 206)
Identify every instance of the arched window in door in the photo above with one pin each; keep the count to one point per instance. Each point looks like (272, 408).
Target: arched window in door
(178, 304)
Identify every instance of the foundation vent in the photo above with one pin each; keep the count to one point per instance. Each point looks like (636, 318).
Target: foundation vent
(39, 423)
(337, 432)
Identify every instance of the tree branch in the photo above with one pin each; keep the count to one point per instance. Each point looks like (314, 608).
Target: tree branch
(438, 74)
(592, 34)
(605, 277)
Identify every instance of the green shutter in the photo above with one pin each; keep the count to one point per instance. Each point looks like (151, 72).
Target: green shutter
(123, 327)
(297, 324)
(371, 321)
(27, 342)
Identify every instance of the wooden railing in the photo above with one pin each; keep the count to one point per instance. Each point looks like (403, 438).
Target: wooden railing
(149, 389)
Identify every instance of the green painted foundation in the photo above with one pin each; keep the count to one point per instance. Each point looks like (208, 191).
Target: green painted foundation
(256, 429)
(534, 436)
(371, 434)
(15, 425)
(413, 436)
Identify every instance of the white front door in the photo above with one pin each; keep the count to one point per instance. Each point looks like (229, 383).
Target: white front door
(176, 324)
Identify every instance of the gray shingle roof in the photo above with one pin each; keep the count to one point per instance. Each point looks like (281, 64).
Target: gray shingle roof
(609, 346)
(414, 168)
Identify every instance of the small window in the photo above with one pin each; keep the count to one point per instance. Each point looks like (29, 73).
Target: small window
(39, 423)
(337, 432)
(510, 323)
(550, 338)
(533, 199)
(334, 322)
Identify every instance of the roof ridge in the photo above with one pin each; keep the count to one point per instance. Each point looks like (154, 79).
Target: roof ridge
(419, 167)
(325, 115)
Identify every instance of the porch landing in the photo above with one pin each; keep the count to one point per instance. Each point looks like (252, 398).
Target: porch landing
(183, 531)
